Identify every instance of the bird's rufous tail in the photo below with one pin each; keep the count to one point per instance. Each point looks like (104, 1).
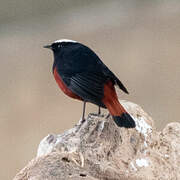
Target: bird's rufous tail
(119, 114)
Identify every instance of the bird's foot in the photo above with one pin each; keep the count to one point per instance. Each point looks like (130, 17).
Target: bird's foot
(96, 114)
(83, 120)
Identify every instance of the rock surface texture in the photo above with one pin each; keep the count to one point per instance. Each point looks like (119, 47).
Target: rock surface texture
(97, 149)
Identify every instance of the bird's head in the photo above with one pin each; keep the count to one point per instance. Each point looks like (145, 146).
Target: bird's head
(57, 45)
(60, 46)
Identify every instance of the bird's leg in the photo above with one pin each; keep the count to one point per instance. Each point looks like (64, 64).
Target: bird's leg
(99, 110)
(84, 109)
(98, 113)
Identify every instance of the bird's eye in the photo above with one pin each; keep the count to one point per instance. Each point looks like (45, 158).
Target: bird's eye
(59, 45)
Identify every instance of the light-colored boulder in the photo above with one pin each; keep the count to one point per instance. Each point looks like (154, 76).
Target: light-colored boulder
(98, 149)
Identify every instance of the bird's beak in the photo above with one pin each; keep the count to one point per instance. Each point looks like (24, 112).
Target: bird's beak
(48, 46)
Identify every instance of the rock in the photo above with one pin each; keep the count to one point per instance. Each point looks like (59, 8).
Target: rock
(98, 149)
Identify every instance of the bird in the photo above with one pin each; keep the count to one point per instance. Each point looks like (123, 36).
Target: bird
(82, 75)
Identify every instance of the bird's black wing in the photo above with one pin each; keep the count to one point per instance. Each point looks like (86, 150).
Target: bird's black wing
(121, 86)
(89, 86)
(107, 72)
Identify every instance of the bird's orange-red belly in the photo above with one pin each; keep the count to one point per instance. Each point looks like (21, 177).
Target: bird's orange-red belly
(63, 87)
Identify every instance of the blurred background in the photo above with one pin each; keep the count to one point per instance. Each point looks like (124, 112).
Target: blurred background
(138, 39)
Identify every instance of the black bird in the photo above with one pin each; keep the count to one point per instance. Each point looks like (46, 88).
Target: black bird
(81, 75)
